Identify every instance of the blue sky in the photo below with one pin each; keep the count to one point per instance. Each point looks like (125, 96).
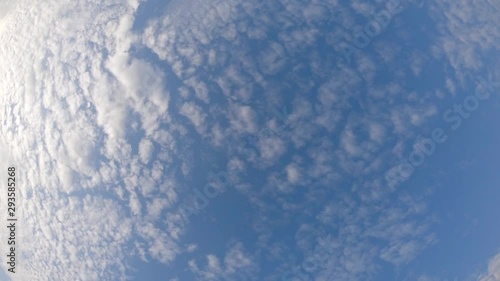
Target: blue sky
(252, 140)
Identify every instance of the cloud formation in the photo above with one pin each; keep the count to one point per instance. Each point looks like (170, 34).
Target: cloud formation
(111, 126)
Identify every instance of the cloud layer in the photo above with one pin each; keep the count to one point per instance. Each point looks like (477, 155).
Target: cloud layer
(111, 125)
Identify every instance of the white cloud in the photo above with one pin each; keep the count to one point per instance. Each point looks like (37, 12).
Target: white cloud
(72, 97)
(145, 150)
(86, 118)
(293, 173)
(194, 113)
(460, 42)
(493, 272)
(237, 264)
